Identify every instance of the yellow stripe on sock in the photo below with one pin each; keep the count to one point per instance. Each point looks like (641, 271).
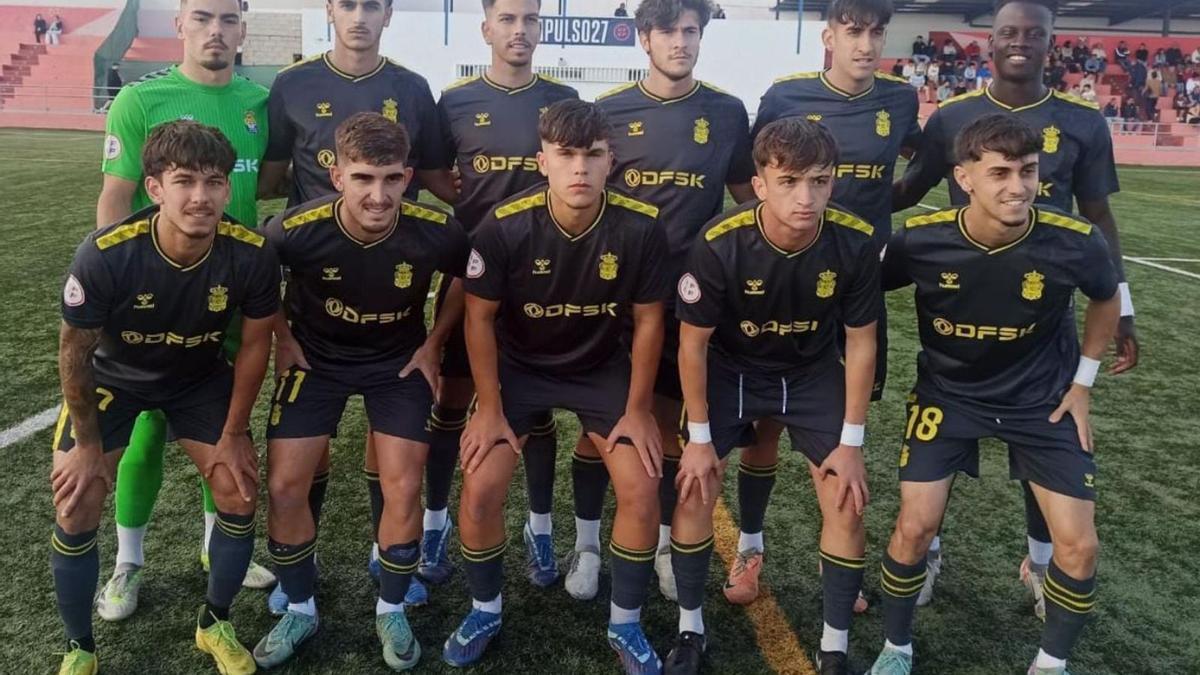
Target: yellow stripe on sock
(850, 563)
(776, 641)
(632, 555)
(293, 558)
(692, 548)
(71, 550)
(586, 460)
(485, 554)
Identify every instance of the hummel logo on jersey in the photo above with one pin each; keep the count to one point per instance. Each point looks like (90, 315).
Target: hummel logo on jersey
(949, 281)
(331, 274)
(541, 266)
(188, 116)
(324, 109)
(636, 129)
(813, 117)
(754, 287)
(144, 301)
(483, 119)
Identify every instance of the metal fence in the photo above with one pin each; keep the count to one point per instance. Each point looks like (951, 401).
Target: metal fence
(602, 75)
(55, 98)
(1173, 136)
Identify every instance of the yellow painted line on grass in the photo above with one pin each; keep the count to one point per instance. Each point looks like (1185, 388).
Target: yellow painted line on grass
(776, 640)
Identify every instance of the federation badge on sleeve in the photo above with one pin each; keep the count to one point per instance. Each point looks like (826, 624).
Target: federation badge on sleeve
(689, 289)
(73, 292)
(112, 147)
(475, 266)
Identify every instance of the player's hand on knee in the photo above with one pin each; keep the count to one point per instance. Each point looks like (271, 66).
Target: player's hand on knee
(74, 475)
(846, 463)
(484, 430)
(641, 430)
(1125, 346)
(428, 360)
(235, 451)
(698, 465)
(1077, 403)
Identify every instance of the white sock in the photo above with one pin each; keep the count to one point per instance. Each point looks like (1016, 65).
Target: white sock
(210, 521)
(382, 607)
(435, 520)
(492, 606)
(587, 534)
(540, 523)
(903, 649)
(619, 615)
(750, 541)
(129, 545)
(834, 640)
(1040, 552)
(309, 607)
(691, 620)
(375, 551)
(664, 536)
(1044, 660)
(936, 544)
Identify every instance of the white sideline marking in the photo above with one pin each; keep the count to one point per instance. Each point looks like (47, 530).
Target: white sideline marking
(928, 207)
(1159, 266)
(28, 428)
(1166, 260)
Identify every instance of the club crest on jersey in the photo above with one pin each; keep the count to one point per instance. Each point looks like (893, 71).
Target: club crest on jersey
(949, 281)
(826, 282)
(636, 129)
(483, 119)
(324, 109)
(326, 158)
(883, 123)
(1050, 137)
(218, 298)
(475, 266)
(404, 275)
(754, 287)
(700, 131)
(250, 122)
(390, 110)
(144, 301)
(331, 274)
(608, 266)
(813, 117)
(1033, 285)
(541, 266)
(689, 289)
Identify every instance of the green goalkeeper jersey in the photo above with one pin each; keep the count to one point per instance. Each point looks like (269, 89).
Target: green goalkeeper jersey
(238, 109)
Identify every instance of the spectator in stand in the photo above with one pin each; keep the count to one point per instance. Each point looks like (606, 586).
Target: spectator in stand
(1170, 76)
(1092, 64)
(39, 28)
(1066, 52)
(1192, 86)
(1196, 56)
(621, 11)
(1055, 74)
(969, 75)
(1160, 58)
(898, 67)
(1137, 75)
(933, 78)
(972, 51)
(1153, 92)
(1081, 51)
(114, 82)
(1088, 93)
(944, 91)
(54, 33)
(919, 49)
(1142, 53)
(949, 51)
(1121, 55)
(1089, 80)
(1100, 55)
(1129, 112)
(931, 50)
(910, 70)
(1193, 114)
(918, 78)
(1174, 54)
(983, 76)
(1110, 111)
(1181, 104)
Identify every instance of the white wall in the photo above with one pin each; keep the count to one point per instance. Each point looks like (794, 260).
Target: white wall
(415, 40)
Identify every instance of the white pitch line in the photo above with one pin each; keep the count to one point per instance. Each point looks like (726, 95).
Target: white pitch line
(1159, 266)
(28, 428)
(1166, 260)
(928, 207)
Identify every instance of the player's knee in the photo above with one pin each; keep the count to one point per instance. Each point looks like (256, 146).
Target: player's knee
(404, 489)
(226, 495)
(638, 497)
(914, 533)
(1077, 554)
(479, 505)
(763, 452)
(86, 514)
(845, 523)
(287, 493)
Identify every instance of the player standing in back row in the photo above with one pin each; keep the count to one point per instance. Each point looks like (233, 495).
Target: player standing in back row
(873, 116)
(678, 142)
(490, 128)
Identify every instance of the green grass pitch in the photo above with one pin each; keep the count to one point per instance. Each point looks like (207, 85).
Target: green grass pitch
(1148, 619)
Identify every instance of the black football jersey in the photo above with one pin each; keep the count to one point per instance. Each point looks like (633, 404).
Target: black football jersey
(352, 302)
(777, 311)
(163, 323)
(491, 132)
(997, 325)
(565, 299)
(678, 154)
(1076, 161)
(310, 99)
(870, 129)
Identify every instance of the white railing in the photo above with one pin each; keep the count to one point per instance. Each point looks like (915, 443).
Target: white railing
(596, 74)
(54, 98)
(1165, 135)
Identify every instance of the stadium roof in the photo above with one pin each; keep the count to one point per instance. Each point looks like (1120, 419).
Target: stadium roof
(1116, 11)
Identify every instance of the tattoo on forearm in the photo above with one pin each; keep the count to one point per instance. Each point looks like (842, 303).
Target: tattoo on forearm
(75, 350)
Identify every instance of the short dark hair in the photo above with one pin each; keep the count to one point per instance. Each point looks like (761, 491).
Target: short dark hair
(573, 123)
(372, 138)
(997, 132)
(184, 144)
(653, 14)
(860, 12)
(795, 144)
(1050, 5)
(488, 4)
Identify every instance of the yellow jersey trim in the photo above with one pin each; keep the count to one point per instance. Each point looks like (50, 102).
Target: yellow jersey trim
(522, 204)
(807, 75)
(988, 92)
(167, 258)
(847, 220)
(647, 93)
(782, 251)
(616, 90)
(383, 61)
(588, 230)
(880, 75)
(932, 218)
(509, 90)
(311, 215)
(1064, 222)
(1072, 98)
(424, 213)
(365, 244)
(714, 87)
(460, 82)
(301, 62)
(123, 233)
(240, 233)
(632, 204)
(841, 92)
(743, 219)
(961, 97)
(962, 227)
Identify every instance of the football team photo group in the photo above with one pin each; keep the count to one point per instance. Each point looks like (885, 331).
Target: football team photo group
(685, 280)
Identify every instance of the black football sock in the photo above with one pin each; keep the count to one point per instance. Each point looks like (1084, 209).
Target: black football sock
(754, 492)
(397, 564)
(901, 585)
(296, 567)
(446, 425)
(485, 571)
(229, 553)
(316, 496)
(631, 572)
(1069, 605)
(841, 579)
(75, 562)
(539, 455)
(690, 563)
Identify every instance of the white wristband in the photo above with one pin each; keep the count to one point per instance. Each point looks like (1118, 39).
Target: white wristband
(852, 434)
(1126, 299)
(1085, 374)
(699, 432)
